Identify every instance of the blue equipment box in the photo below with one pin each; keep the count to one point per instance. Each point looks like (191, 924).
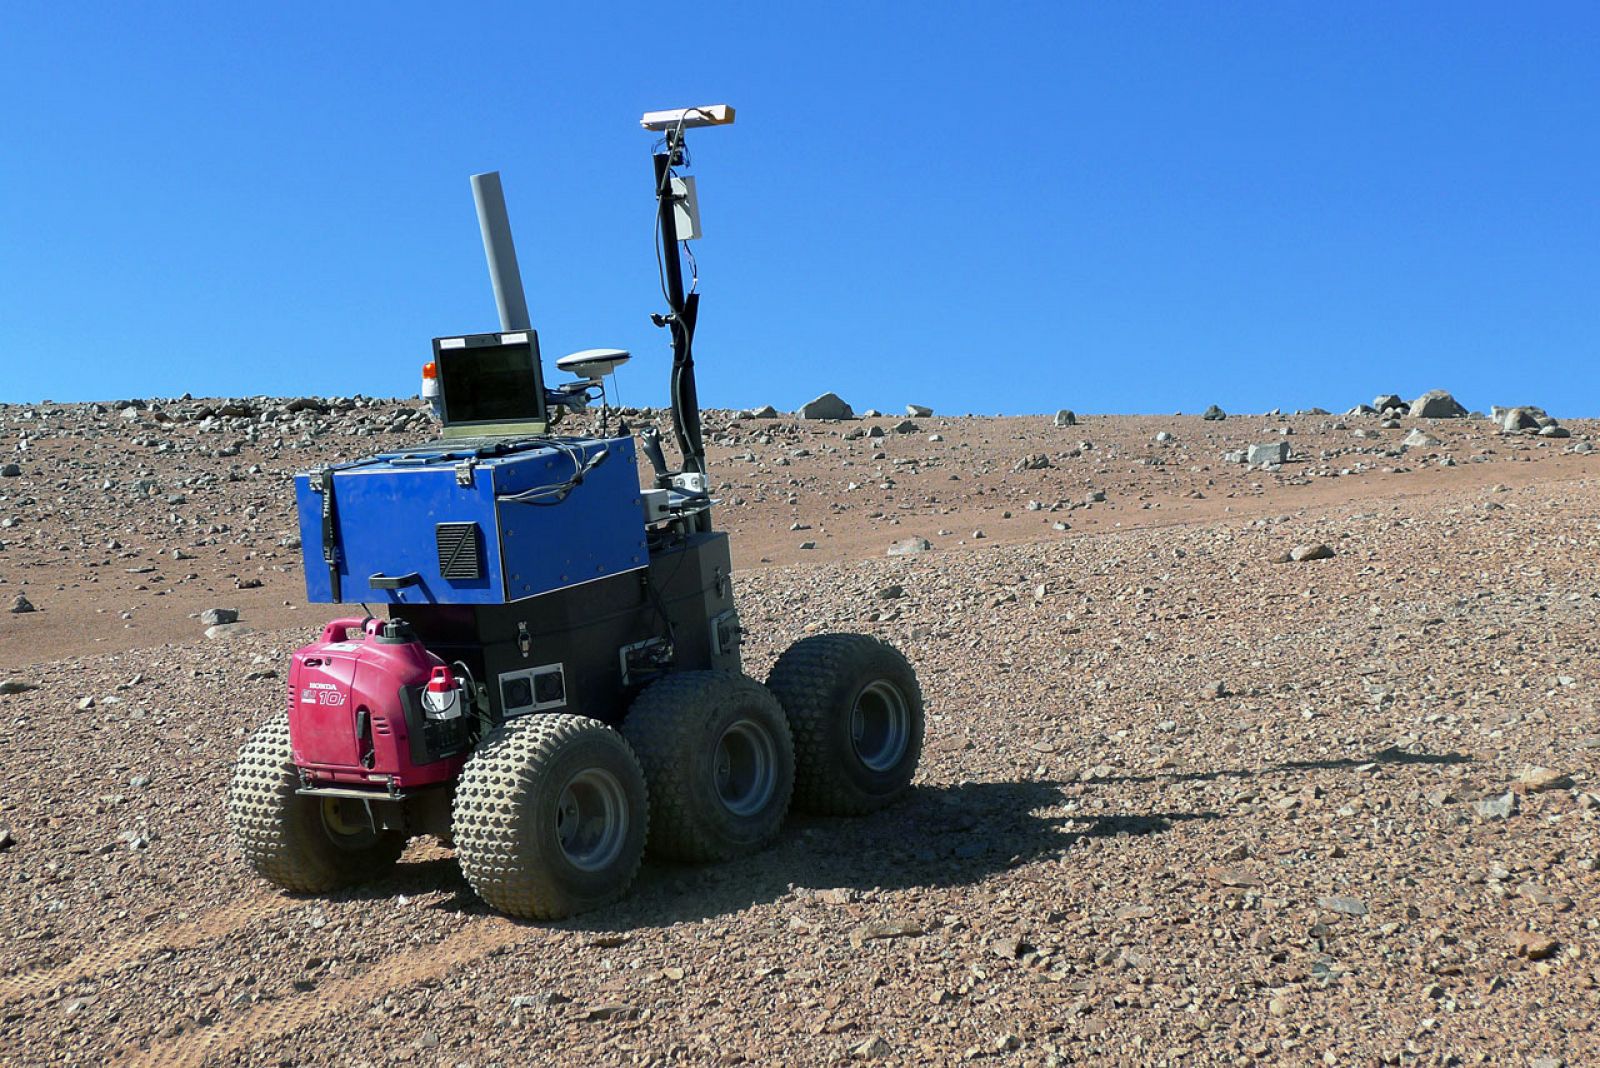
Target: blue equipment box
(447, 524)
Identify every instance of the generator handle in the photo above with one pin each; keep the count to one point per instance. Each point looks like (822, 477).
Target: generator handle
(338, 630)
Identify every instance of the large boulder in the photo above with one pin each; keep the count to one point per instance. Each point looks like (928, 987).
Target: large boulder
(1276, 452)
(827, 406)
(1385, 401)
(919, 411)
(910, 547)
(1214, 414)
(1522, 417)
(1066, 417)
(1437, 404)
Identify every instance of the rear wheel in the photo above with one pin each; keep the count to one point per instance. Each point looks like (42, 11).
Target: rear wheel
(550, 817)
(305, 844)
(717, 753)
(857, 716)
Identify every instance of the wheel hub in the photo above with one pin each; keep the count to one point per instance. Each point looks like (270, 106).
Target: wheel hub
(592, 819)
(880, 725)
(744, 768)
(347, 822)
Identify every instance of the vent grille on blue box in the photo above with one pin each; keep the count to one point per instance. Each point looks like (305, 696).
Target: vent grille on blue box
(460, 550)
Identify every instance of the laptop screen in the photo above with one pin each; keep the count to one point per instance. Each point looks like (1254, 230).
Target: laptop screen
(491, 379)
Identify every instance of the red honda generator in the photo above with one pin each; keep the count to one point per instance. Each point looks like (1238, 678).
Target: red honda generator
(411, 727)
(556, 680)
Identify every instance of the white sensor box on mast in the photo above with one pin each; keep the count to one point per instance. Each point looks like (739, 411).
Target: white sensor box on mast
(689, 118)
(685, 208)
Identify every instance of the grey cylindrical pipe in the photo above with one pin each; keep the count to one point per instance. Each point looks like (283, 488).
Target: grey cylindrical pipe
(500, 252)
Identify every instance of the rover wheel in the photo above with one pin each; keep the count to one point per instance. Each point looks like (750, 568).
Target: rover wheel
(305, 844)
(856, 713)
(717, 754)
(550, 817)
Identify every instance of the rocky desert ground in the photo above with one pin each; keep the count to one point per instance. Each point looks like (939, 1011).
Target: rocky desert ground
(1290, 761)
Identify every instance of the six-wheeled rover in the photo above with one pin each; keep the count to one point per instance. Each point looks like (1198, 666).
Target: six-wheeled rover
(555, 685)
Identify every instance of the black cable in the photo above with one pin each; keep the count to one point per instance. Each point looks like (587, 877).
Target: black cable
(545, 496)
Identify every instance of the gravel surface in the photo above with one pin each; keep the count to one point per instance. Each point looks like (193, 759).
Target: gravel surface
(1190, 794)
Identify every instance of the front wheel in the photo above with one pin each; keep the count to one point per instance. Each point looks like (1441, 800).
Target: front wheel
(857, 716)
(304, 844)
(550, 817)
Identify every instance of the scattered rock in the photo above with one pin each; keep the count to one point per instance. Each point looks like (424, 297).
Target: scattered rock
(1537, 894)
(1066, 417)
(212, 617)
(1386, 402)
(20, 604)
(874, 1048)
(1315, 551)
(910, 546)
(1008, 947)
(919, 411)
(613, 1011)
(1498, 807)
(1214, 414)
(827, 406)
(1348, 906)
(1276, 452)
(1420, 439)
(7, 839)
(228, 630)
(1536, 780)
(1517, 419)
(1032, 462)
(1531, 945)
(13, 686)
(906, 426)
(1437, 404)
(882, 929)
(11, 471)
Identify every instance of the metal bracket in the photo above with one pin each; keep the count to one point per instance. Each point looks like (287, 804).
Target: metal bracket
(726, 633)
(464, 474)
(352, 793)
(644, 659)
(524, 640)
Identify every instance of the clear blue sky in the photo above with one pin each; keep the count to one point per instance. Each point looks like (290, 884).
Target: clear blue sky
(989, 207)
